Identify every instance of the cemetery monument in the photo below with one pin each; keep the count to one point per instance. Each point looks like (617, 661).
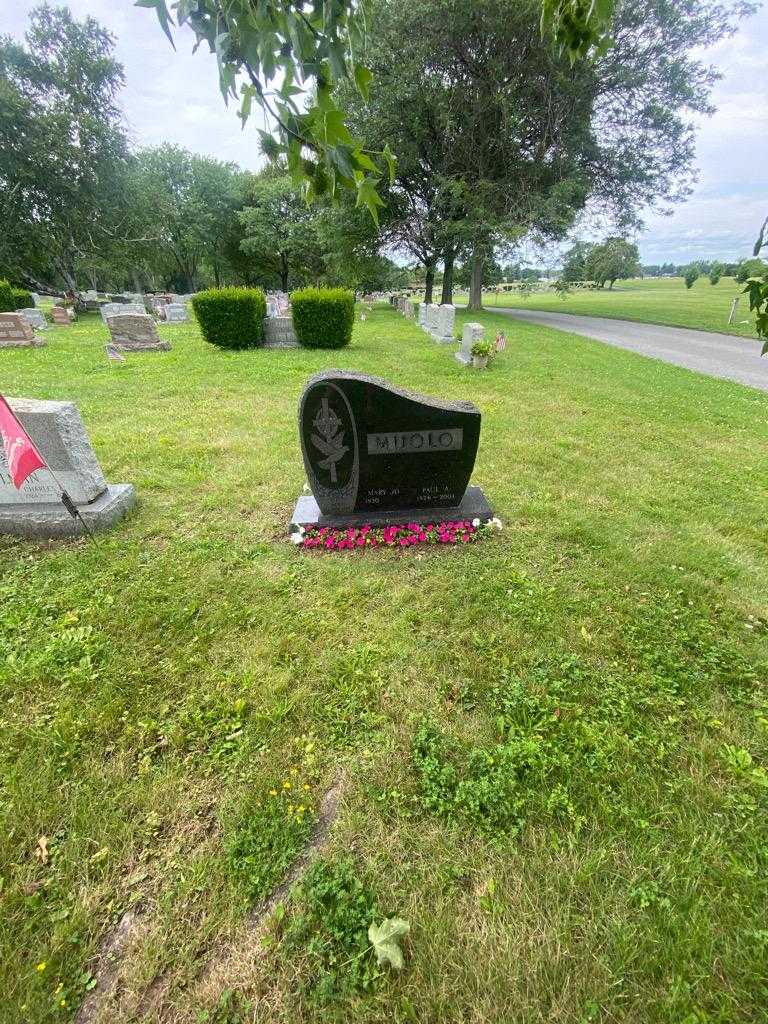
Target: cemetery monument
(16, 332)
(36, 510)
(377, 454)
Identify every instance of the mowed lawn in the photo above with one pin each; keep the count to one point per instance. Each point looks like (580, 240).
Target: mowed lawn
(547, 751)
(651, 301)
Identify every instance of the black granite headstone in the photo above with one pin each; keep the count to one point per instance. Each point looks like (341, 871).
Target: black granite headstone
(379, 454)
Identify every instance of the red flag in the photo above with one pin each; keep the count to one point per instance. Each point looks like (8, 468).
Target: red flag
(23, 458)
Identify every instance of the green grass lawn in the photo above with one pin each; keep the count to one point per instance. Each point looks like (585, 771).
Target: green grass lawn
(651, 301)
(549, 749)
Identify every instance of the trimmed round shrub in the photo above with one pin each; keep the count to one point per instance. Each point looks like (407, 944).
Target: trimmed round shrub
(22, 298)
(7, 304)
(231, 317)
(323, 317)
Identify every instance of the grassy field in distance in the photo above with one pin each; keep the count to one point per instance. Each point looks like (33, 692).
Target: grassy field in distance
(650, 300)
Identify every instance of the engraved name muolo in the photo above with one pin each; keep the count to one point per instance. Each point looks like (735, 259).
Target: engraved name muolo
(408, 442)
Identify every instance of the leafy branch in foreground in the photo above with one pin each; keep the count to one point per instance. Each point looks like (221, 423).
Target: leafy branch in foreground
(289, 55)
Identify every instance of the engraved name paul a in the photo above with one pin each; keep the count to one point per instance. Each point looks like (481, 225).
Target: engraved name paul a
(409, 442)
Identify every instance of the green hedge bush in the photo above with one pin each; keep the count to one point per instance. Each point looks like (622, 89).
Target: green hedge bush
(231, 317)
(7, 304)
(22, 298)
(323, 317)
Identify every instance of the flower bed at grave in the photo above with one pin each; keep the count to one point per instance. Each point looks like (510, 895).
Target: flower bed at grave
(360, 537)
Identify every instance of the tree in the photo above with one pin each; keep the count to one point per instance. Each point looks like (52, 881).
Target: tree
(716, 271)
(293, 54)
(185, 210)
(63, 152)
(497, 137)
(751, 268)
(280, 236)
(613, 260)
(575, 262)
(691, 276)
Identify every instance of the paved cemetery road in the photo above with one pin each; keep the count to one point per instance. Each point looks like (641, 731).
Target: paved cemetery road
(718, 355)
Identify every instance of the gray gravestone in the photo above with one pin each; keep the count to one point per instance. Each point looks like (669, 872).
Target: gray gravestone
(471, 333)
(35, 298)
(135, 332)
(378, 454)
(61, 316)
(36, 510)
(443, 331)
(35, 318)
(16, 332)
(423, 315)
(279, 332)
(176, 313)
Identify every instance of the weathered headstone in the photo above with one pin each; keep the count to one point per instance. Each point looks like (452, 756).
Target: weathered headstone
(36, 510)
(34, 318)
(35, 298)
(61, 316)
(378, 454)
(113, 308)
(423, 315)
(471, 333)
(176, 313)
(135, 332)
(443, 331)
(279, 332)
(433, 316)
(16, 332)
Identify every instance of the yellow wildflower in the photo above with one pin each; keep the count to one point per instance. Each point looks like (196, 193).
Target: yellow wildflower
(41, 966)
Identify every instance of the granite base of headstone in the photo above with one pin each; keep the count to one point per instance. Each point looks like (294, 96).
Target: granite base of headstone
(380, 455)
(16, 332)
(471, 333)
(279, 332)
(135, 332)
(36, 509)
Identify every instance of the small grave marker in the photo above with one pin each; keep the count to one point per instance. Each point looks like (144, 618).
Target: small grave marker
(16, 332)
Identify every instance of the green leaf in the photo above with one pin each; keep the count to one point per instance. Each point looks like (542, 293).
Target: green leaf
(335, 129)
(391, 159)
(363, 78)
(162, 16)
(385, 939)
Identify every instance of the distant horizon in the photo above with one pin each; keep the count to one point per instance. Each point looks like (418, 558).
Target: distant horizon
(174, 97)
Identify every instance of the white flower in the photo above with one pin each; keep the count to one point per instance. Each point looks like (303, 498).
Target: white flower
(497, 523)
(475, 522)
(297, 537)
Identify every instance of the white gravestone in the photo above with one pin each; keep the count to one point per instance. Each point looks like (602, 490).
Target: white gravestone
(433, 314)
(135, 332)
(35, 318)
(16, 332)
(423, 315)
(446, 316)
(35, 510)
(176, 313)
(35, 298)
(471, 333)
(114, 308)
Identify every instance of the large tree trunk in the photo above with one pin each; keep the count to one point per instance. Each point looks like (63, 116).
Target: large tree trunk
(283, 273)
(448, 259)
(476, 282)
(216, 275)
(429, 283)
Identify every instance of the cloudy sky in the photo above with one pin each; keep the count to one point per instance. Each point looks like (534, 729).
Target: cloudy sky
(174, 97)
